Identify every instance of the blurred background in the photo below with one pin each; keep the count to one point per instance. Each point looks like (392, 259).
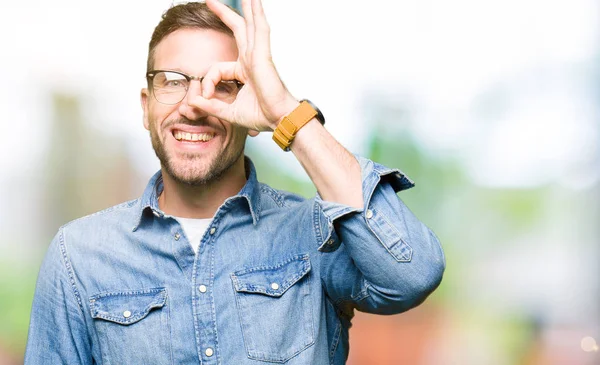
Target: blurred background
(492, 107)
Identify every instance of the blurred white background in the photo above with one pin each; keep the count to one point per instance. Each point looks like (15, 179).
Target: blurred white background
(507, 90)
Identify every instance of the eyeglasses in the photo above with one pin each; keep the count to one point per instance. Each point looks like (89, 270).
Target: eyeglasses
(171, 87)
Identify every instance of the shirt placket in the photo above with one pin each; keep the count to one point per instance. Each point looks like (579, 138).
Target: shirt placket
(203, 301)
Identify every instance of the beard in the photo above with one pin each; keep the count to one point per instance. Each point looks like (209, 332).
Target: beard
(193, 169)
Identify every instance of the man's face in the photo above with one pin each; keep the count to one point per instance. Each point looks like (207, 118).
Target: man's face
(193, 148)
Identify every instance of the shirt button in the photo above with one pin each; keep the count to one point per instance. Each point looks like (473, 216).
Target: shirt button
(330, 242)
(156, 214)
(177, 236)
(127, 314)
(213, 230)
(202, 288)
(209, 352)
(274, 286)
(369, 213)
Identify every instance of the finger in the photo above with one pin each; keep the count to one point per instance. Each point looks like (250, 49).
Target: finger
(214, 107)
(248, 16)
(217, 72)
(233, 20)
(261, 43)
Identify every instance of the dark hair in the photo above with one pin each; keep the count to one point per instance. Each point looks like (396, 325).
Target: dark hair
(188, 15)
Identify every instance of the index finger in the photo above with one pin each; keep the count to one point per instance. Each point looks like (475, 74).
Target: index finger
(234, 21)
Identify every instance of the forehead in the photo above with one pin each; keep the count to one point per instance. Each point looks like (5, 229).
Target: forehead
(193, 51)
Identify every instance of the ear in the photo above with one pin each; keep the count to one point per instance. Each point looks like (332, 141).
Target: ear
(144, 95)
(253, 133)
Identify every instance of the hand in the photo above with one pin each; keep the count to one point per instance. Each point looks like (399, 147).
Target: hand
(263, 100)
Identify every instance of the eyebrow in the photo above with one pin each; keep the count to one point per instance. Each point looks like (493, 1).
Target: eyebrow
(176, 69)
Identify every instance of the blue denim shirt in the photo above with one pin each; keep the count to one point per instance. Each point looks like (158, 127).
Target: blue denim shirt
(276, 278)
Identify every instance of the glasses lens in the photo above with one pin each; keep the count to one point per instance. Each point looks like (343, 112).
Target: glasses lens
(169, 87)
(227, 90)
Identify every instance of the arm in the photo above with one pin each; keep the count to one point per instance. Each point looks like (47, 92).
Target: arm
(57, 331)
(390, 260)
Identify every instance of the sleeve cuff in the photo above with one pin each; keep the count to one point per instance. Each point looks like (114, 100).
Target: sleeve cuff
(326, 213)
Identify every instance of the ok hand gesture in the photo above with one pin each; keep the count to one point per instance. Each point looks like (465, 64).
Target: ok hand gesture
(263, 99)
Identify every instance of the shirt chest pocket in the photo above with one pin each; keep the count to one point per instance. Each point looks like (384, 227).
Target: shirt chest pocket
(275, 309)
(132, 326)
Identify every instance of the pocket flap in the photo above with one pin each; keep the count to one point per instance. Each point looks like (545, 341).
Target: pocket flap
(127, 307)
(272, 280)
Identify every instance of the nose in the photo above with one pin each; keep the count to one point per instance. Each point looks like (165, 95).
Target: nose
(186, 109)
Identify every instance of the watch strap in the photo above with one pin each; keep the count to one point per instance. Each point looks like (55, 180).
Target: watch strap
(286, 130)
(319, 115)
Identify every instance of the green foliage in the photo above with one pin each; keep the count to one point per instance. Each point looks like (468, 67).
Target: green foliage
(17, 284)
(521, 208)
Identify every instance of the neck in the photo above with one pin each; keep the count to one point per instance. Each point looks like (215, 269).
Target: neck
(187, 201)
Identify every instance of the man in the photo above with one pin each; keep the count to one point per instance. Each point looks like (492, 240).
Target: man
(209, 266)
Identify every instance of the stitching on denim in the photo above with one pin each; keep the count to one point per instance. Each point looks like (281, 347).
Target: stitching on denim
(344, 211)
(398, 259)
(317, 224)
(372, 186)
(162, 299)
(405, 257)
(212, 302)
(336, 340)
(259, 355)
(285, 285)
(239, 312)
(311, 313)
(283, 288)
(231, 199)
(301, 257)
(255, 215)
(273, 194)
(380, 241)
(69, 268)
(128, 292)
(195, 300)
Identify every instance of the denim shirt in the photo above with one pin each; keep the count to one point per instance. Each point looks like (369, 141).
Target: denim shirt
(276, 278)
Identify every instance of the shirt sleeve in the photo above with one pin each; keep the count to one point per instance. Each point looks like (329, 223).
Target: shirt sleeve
(57, 331)
(381, 258)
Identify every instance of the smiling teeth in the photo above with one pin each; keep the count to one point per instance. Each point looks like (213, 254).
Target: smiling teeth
(193, 137)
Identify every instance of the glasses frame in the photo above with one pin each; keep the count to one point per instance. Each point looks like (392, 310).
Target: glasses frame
(150, 79)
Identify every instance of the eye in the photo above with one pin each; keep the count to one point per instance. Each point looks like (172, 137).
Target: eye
(226, 87)
(173, 83)
(170, 80)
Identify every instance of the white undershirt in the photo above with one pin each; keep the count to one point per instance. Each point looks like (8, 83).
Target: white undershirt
(194, 229)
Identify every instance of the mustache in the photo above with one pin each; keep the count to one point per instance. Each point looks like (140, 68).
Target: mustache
(185, 121)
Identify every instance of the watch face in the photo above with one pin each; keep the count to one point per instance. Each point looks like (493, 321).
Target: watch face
(319, 116)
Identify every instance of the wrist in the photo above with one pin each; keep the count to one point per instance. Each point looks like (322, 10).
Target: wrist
(292, 122)
(288, 106)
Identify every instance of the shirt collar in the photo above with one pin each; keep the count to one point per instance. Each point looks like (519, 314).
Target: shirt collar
(148, 203)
